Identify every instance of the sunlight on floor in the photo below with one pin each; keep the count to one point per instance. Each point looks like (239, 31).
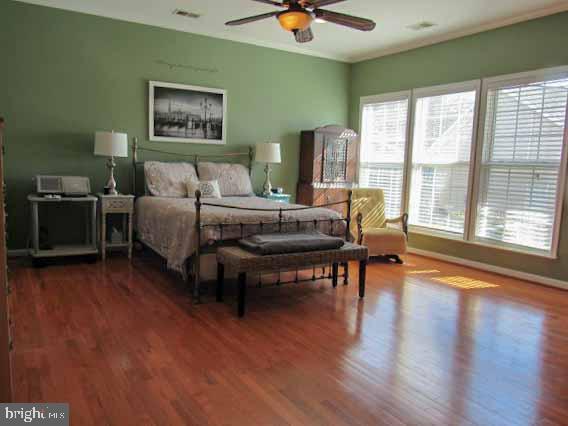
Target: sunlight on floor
(424, 271)
(464, 283)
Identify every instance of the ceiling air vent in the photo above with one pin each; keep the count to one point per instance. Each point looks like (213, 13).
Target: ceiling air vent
(186, 14)
(421, 26)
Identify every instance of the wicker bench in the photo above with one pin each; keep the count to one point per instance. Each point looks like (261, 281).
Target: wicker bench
(243, 262)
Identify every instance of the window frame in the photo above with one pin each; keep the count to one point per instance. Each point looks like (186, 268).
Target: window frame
(482, 88)
(385, 98)
(432, 91)
(497, 82)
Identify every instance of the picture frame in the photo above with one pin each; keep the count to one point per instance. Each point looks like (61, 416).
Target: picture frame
(183, 113)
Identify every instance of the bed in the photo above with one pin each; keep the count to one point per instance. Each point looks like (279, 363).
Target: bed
(181, 229)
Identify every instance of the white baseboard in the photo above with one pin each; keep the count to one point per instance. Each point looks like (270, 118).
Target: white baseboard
(539, 279)
(18, 253)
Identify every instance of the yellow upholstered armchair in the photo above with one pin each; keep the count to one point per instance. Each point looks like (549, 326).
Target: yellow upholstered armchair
(373, 229)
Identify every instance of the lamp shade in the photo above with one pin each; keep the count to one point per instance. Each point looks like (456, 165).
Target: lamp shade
(268, 153)
(111, 144)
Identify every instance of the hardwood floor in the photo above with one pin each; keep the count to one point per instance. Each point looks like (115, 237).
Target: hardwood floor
(431, 343)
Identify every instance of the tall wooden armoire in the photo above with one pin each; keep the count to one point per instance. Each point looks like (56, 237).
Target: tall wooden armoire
(5, 370)
(328, 162)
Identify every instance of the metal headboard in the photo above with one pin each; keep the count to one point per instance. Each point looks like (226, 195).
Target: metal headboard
(193, 158)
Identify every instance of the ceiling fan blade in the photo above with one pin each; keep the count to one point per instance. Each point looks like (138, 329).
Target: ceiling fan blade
(252, 19)
(273, 3)
(322, 3)
(361, 24)
(304, 36)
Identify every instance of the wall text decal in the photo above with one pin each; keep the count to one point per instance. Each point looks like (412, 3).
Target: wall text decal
(189, 67)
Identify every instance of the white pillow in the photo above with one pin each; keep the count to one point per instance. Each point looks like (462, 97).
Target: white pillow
(233, 178)
(208, 188)
(168, 179)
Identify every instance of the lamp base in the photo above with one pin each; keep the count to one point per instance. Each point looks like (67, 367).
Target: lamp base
(111, 184)
(267, 188)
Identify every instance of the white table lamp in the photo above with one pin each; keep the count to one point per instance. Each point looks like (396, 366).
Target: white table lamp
(268, 153)
(111, 144)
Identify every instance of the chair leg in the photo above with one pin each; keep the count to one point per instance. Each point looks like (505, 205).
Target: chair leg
(220, 281)
(334, 274)
(346, 273)
(362, 277)
(242, 293)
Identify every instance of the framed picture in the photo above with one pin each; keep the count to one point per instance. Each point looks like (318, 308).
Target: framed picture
(187, 114)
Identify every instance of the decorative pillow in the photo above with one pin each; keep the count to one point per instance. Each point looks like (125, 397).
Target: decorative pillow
(208, 188)
(233, 178)
(168, 179)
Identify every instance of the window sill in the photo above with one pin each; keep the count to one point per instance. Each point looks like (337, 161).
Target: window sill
(453, 237)
(415, 229)
(527, 252)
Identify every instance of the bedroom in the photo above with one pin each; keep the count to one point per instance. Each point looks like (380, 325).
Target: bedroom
(420, 348)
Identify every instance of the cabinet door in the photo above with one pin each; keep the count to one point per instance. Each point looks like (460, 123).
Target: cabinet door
(335, 158)
(332, 195)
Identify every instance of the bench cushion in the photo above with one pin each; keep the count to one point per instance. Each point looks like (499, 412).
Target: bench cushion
(295, 242)
(242, 260)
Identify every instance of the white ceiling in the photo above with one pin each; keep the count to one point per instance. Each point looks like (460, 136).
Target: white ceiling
(453, 18)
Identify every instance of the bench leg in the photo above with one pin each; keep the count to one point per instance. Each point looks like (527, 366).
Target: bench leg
(362, 277)
(220, 281)
(334, 274)
(242, 293)
(346, 273)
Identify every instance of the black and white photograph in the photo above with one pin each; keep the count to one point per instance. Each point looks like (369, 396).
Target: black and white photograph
(187, 114)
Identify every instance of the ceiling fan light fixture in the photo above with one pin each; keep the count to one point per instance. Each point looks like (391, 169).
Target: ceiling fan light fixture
(295, 20)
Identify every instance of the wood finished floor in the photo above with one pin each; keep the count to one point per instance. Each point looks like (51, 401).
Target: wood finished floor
(124, 345)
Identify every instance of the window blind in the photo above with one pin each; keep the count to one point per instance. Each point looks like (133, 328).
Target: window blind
(522, 150)
(383, 143)
(443, 132)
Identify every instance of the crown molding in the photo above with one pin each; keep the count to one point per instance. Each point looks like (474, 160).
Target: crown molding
(251, 41)
(540, 13)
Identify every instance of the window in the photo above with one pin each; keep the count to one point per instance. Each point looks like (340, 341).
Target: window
(442, 141)
(521, 163)
(384, 126)
(484, 161)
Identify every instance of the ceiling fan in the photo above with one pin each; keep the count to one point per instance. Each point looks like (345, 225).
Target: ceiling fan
(299, 14)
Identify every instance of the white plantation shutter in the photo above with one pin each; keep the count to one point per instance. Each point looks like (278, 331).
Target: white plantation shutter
(442, 140)
(383, 144)
(511, 196)
(521, 163)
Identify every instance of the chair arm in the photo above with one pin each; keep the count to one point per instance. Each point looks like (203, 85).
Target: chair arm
(403, 219)
(359, 228)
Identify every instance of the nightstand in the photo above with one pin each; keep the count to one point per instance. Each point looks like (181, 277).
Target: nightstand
(116, 204)
(281, 198)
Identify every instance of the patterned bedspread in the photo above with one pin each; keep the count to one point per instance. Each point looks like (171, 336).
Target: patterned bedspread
(167, 225)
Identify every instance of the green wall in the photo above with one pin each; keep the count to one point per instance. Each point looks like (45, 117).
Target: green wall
(527, 46)
(64, 75)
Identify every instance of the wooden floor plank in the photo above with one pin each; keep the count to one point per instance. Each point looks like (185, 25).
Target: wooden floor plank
(123, 344)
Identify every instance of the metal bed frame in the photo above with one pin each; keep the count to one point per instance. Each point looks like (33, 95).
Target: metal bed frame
(192, 264)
